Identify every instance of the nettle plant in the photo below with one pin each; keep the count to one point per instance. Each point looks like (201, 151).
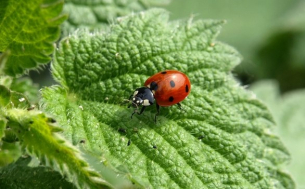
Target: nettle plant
(81, 128)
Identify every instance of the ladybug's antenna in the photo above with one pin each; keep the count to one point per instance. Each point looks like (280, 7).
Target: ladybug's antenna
(128, 101)
(132, 103)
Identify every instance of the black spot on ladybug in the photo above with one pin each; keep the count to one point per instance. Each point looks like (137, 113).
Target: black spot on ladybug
(171, 99)
(163, 72)
(128, 143)
(186, 88)
(153, 86)
(172, 83)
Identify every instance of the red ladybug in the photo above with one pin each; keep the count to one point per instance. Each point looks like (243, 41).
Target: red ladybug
(167, 88)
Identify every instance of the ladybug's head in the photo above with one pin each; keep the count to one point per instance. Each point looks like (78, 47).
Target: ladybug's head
(136, 101)
(142, 97)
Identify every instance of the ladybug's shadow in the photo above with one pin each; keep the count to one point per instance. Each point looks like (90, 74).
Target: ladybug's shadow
(144, 120)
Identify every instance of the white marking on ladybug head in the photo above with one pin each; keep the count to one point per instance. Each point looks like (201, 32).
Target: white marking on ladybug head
(146, 102)
(135, 93)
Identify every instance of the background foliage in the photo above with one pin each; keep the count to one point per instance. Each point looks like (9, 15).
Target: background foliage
(269, 35)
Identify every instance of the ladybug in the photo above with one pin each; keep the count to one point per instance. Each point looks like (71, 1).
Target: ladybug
(167, 88)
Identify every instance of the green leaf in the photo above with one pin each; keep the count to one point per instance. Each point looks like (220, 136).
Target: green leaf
(9, 135)
(96, 15)
(20, 175)
(38, 136)
(26, 86)
(5, 96)
(18, 100)
(2, 126)
(117, 179)
(22, 85)
(28, 29)
(12, 99)
(223, 139)
(6, 81)
(9, 152)
(288, 110)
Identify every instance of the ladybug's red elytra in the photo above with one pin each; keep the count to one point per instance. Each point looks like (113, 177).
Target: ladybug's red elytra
(167, 88)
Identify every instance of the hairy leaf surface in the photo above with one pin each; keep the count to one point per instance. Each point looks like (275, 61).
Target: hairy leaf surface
(223, 137)
(96, 15)
(20, 175)
(28, 29)
(38, 136)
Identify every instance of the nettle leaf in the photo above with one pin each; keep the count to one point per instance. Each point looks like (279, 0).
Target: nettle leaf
(9, 152)
(2, 126)
(26, 86)
(96, 15)
(222, 138)
(20, 175)
(6, 81)
(38, 136)
(5, 95)
(288, 111)
(22, 85)
(12, 99)
(28, 30)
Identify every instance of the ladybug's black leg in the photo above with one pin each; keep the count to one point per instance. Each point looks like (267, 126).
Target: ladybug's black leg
(136, 111)
(142, 110)
(133, 113)
(180, 107)
(158, 111)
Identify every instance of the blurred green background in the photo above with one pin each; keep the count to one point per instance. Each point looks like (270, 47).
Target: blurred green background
(270, 35)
